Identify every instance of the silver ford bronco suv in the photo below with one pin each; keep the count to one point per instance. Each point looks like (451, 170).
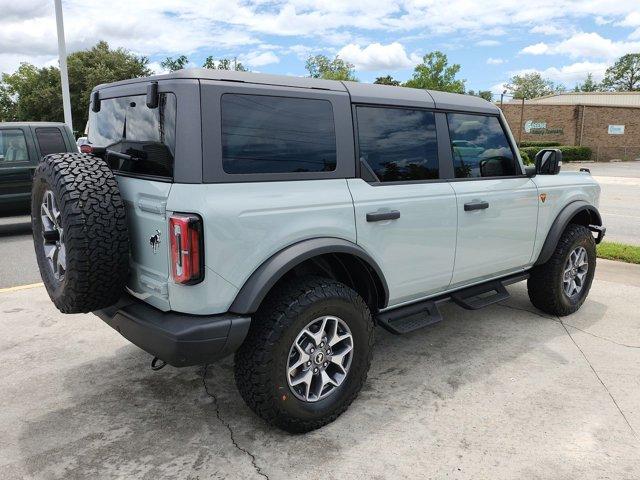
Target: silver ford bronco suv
(281, 219)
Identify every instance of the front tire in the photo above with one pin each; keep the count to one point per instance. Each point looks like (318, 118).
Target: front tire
(561, 285)
(307, 354)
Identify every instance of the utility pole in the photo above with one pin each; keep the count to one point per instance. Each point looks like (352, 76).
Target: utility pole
(62, 55)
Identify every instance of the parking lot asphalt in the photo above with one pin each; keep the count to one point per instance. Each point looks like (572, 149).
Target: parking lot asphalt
(504, 392)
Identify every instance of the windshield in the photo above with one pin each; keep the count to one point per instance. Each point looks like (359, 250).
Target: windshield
(147, 135)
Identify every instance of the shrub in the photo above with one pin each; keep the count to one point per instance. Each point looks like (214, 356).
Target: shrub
(540, 144)
(569, 153)
(526, 158)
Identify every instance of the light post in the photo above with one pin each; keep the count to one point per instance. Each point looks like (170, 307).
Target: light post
(504, 92)
(62, 55)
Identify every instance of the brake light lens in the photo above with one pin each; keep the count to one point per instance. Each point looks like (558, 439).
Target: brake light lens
(86, 148)
(186, 241)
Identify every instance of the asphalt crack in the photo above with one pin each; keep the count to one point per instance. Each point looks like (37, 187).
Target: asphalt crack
(564, 326)
(598, 377)
(251, 456)
(606, 339)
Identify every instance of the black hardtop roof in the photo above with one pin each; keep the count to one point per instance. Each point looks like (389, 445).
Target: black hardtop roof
(359, 92)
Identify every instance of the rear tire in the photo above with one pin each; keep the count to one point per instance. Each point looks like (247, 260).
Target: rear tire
(263, 364)
(550, 287)
(79, 232)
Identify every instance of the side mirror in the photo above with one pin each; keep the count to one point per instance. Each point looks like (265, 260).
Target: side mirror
(548, 161)
(152, 95)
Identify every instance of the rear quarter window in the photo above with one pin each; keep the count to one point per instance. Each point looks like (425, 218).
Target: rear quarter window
(50, 140)
(268, 134)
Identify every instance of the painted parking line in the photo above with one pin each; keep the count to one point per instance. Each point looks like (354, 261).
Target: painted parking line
(21, 287)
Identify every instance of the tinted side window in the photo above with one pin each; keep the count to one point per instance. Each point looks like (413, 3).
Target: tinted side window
(13, 147)
(263, 134)
(480, 147)
(399, 144)
(50, 140)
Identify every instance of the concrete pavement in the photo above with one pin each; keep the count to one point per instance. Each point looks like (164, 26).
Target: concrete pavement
(505, 392)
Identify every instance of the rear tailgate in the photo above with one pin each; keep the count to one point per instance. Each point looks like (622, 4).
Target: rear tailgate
(146, 202)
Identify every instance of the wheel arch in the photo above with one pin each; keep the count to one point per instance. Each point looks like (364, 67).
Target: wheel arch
(578, 212)
(335, 257)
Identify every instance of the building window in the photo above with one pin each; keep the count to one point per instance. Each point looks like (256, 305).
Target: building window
(266, 134)
(480, 147)
(398, 144)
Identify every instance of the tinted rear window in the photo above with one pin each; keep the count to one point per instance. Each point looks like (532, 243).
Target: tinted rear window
(148, 135)
(50, 140)
(263, 134)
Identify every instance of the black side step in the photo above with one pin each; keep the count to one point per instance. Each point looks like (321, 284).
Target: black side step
(471, 299)
(412, 317)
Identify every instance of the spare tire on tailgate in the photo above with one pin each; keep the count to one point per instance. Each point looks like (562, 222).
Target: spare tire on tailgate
(79, 232)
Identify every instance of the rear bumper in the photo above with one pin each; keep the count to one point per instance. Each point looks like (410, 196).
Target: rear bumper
(179, 339)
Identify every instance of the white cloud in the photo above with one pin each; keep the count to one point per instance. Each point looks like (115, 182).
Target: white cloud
(536, 49)
(631, 20)
(495, 61)
(377, 56)
(488, 43)
(570, 74)
(550, 29)
(585, 45)
(260, 59)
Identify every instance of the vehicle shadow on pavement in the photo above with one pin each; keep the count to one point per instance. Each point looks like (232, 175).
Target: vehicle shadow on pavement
(117, 418)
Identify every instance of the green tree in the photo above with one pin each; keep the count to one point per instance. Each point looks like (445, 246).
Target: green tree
(589, 85)
(485, 94)
(387, 80)
(320, 66)
(531, 85)
(99, 64)
(173, 64)
(33, 94)
(435, 73)
(624, 75)
(223, 64)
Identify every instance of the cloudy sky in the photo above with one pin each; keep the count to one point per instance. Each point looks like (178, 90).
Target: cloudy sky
(563, 39)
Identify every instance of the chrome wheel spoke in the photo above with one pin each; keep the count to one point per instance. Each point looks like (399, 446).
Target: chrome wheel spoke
(52, 235)
(575, 271)
(319, 358)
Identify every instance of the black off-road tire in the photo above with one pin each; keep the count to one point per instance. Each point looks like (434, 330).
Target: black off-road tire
(545, 284)
(261, 362)
(96, 240)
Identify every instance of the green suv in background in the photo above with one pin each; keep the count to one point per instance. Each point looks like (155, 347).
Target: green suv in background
(22, 145)
(281, 219)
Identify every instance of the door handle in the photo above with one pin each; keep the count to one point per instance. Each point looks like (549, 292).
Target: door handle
(381, 216)
(476, 205)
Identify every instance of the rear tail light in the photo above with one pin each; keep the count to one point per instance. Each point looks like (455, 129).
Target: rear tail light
(187, 255)
(85, 148)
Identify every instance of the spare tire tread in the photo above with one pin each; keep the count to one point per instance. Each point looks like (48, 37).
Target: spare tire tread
(95, 231)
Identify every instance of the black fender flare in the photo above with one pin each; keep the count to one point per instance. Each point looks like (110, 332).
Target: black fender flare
(265, 277)
(560, 224)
